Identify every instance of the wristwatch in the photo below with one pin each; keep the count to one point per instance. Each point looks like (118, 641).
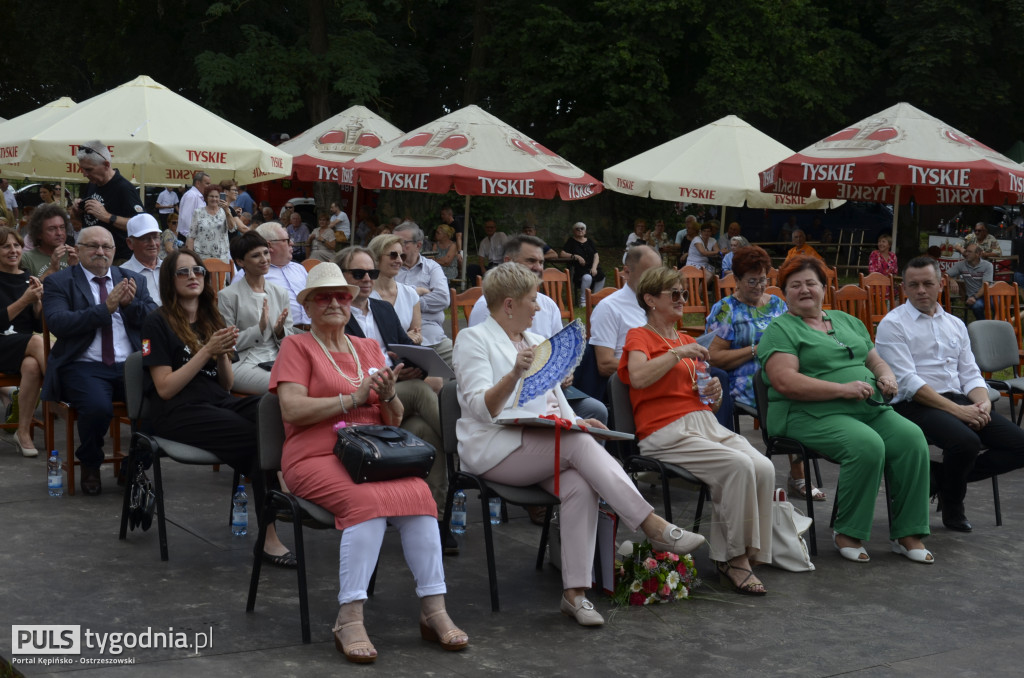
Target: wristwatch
(112, 221)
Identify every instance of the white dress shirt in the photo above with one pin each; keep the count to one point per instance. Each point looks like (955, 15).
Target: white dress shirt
(369, 327)
(122, 345)
(614, 317)
(152, 276)
(922, 349)
(427, 273)
(546, 323)
(190, 202)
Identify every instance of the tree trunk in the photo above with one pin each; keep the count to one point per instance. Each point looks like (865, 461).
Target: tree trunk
(318, 90)
(478, 54)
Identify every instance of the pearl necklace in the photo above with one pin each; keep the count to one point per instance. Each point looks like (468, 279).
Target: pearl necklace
(355, 356)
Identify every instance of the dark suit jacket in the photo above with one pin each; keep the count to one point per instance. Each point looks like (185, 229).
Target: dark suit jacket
(73, 317)
(386, 320)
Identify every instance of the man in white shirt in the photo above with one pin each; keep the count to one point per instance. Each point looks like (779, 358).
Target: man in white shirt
(942, 391)
(193, 199)
(340, 221)
(430, 283)
(492, 247)
(283, 271)
(11, 199)
(144, 242)
(165, 203)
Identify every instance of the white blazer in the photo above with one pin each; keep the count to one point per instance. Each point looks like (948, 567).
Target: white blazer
(483, 354)
(238, 306)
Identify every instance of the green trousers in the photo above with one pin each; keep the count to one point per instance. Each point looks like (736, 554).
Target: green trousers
(865, 446)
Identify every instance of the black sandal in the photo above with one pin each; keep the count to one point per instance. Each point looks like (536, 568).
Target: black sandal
(743, 587)
(286, 559)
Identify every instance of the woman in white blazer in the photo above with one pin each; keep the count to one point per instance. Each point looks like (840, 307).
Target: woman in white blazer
(489, 360)
(259, 309)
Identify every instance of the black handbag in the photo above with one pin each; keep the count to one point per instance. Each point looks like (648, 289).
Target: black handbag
(373, 453)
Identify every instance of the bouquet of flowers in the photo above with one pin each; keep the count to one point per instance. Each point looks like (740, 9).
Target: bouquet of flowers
(646, 576)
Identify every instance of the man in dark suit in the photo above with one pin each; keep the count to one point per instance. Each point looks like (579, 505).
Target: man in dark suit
(96, 313)
(376, 319)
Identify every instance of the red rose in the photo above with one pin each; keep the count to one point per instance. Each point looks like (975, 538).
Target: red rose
(651, 585)
(637, 598)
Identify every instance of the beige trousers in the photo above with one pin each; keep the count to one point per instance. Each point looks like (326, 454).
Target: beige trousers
(741, 480)
(422, 419)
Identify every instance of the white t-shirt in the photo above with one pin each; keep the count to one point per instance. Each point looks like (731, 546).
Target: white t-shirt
(405, 301)
(340, 222)
(614, 317)
(547, 322)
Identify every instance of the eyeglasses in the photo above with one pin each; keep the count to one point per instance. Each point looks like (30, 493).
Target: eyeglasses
(408, 242)
(324, 299)
(832, 333)
(396, 255)
(91, 150)
(756, 282)
(676, 294)
(360, 273)
(281, 240)
(886, 399)
(96, 246)
(185, 271)
(579, 230)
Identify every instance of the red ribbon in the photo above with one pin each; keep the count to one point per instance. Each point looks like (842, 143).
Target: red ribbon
(559, 425)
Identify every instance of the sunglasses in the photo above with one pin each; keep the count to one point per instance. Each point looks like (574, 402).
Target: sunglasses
(324, 299)
(185, 271)
(360, 273)
(676, 294)
(90, 150)
(396, 255)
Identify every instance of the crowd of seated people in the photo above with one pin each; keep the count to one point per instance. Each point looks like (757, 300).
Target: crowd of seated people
(322, 338)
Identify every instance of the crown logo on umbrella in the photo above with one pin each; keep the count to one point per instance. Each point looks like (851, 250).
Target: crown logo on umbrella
(352, 140)
(875, 134)
(442, 144)
(538, 152)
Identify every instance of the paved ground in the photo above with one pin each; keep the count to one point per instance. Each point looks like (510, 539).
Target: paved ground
(63, 564)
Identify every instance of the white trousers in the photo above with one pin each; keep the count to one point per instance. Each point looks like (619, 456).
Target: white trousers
(360, 548)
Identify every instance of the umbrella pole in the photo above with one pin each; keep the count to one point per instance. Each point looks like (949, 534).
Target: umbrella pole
(465, 241)
(896, 217)
(355, 211)
(721, 225)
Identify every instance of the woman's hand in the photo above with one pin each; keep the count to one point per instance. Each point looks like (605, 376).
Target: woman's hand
(34, 292)
(857, 390)
(279, 325)
(523, 361)
(694, 351)
(264, 312)
(222, 342)
(887, 385)
(383, 381)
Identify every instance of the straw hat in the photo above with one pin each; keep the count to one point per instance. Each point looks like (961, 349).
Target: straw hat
(323, 276)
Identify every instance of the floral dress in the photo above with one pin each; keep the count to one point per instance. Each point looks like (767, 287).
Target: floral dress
(887, 266)
(209, 234)
(742, 325)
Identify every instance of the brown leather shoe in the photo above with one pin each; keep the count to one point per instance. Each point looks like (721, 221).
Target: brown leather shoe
(537, 514)
(91, 484)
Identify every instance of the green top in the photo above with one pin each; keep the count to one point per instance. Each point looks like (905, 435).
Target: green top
(35, 262)
(821, 357)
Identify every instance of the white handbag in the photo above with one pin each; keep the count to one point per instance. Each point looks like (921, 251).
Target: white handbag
(789, 550)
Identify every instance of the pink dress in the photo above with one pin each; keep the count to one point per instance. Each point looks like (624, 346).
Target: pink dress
(310, 468)
(887, 266)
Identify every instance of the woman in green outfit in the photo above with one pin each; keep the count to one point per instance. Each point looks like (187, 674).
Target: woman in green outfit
(820, 367)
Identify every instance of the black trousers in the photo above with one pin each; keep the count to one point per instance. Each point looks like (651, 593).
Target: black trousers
(960, 444)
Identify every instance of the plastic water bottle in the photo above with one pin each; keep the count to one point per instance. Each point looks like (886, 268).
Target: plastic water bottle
(54, 475)
(459, 513)
(240, 512)
(494, 506)
(703, 379)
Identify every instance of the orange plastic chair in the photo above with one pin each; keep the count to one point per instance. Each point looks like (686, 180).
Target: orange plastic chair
(777, 291)
(308, 264)
(1002, 303)
(464, 301)
(881, 296)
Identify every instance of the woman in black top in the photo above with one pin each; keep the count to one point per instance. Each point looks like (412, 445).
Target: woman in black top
(21, 351)
(188, 351)
(585, 264)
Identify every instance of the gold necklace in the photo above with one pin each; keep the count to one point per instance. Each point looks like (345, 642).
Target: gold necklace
(691, 367)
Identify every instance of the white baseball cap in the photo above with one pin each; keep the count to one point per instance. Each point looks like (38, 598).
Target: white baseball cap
(142, 224)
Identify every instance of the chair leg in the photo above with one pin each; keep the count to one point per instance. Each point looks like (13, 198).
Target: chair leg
(300, 573)
(257, 561)
(158, 487)
(702, 492)
(812, 532)
(666, 495)
(817, 472)
(69, 437)
(545, 531)
(995, 499)
(132, 461)
(492, 574)
(446, 519)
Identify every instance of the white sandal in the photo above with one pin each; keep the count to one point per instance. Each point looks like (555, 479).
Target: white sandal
(923, 556)
(851, 552)
(798, 488)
